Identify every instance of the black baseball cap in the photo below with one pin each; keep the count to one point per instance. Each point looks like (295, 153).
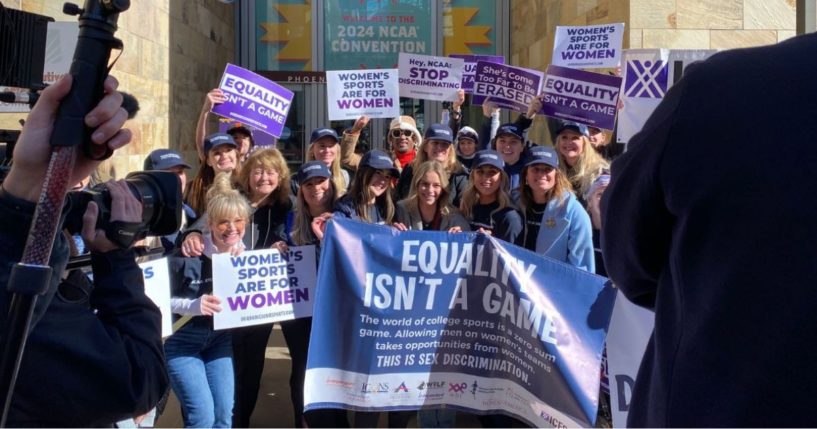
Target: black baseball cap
(511, 129)
(240, 128)
(320, 133)
(218, 139)
(163, 159)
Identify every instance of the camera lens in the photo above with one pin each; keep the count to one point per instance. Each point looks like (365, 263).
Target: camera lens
(161, 196)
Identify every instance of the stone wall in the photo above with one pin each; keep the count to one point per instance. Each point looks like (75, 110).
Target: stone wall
(175, 51)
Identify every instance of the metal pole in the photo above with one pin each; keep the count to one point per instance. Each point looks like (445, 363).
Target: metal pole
(806, 16)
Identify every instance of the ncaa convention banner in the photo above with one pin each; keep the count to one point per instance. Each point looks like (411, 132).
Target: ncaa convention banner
(425, 319)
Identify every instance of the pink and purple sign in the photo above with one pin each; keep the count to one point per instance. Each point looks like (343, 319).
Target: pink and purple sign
(470, 68)
(580, 96)
(254, 100)
(506, 86)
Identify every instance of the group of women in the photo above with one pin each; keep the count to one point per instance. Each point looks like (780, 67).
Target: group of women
(247, 199)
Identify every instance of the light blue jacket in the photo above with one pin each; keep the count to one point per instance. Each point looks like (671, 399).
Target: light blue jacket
(566, 233)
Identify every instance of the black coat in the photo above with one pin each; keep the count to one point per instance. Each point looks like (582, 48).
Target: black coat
(80, 368)
(710, 221)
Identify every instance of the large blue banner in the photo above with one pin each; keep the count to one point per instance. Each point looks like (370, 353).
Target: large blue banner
(409, 320)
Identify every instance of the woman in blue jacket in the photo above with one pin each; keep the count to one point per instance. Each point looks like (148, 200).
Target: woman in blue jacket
(556, 224)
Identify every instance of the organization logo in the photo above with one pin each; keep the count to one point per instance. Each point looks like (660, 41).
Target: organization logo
(401, 388)
(337, 382)
(431, 385)
(553, 421)
(374, 388)
(457, 388)
(646, 79)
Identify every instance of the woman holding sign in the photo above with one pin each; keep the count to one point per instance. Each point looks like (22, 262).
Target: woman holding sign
(486, 203)
(428, 208)
(556, 225)
(199, 359)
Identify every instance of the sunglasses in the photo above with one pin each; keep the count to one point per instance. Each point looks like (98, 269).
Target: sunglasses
(396, 133)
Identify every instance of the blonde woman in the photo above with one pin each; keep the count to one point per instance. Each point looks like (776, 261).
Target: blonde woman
(199, 359)
(437, 146)
(428, 208)
(580, 162)
(486, 203)
(324, 146)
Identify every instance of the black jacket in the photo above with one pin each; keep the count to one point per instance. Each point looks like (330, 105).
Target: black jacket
(80, 368)
(709, 221)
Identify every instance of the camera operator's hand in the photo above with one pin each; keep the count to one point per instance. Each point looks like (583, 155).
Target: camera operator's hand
(124, 207)
(33, 149)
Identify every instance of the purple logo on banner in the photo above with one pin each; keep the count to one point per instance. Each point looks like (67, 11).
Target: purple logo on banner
(585, 97)
(506, 86)
(646, 79)
(254, 100)
(470, 68)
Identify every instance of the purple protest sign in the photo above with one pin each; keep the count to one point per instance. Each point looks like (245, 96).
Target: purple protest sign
(506, 86)
(580, 96)
(470, 68)
(254, 100)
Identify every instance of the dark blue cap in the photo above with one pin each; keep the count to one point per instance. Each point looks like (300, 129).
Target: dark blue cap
(313, 169)
(378, 160)
(439, 132)
(573, 126)
(238, 127)
(218, 139)
(163, 159)
(488, 157)
(511, 129)
(320, 133)
(542, 155)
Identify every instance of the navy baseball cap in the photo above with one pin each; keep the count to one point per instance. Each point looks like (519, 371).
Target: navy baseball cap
(573, 126)
(511, 129)
(218, 139)
(163, 159)
(378, 160)
(439, 132)
(542, 155)
(240, 128)
(313, 169)
(488, 157)
(320, 133)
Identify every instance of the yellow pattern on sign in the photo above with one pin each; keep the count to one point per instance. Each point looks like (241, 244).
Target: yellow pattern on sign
(462, 35)
(295, 32)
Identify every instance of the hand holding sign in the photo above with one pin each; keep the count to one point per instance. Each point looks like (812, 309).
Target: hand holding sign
(214, 97)
(209, 305)
(319, 224)
(360, 124)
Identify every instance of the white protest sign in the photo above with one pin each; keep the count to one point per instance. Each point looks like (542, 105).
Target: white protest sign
(157, 288)
(630, 330)
(264, 286)
(354, 93)
(589, 46)
(430, 78)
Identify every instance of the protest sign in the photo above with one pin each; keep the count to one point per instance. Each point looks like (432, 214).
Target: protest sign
(506, 86)
(470, 68)
(414, 319)
(630, 330)
(157, 288)
(589, 46)
(430, 78)
(648, 74)
(354, 93)
(580, 96)
(254, 100)
(263, 286)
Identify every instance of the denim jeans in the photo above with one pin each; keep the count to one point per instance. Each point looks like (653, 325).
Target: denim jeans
(200, 365)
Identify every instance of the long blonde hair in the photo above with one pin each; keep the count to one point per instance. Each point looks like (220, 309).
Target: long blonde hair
(589, 165)
(470, 196)
(223, 200)
(337, 172)
(302, 222)
(558, 190)
(360, 194)
(452, 164)
(267, 158)
(443, 203)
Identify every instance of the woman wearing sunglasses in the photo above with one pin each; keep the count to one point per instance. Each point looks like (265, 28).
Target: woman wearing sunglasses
(402, 137)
